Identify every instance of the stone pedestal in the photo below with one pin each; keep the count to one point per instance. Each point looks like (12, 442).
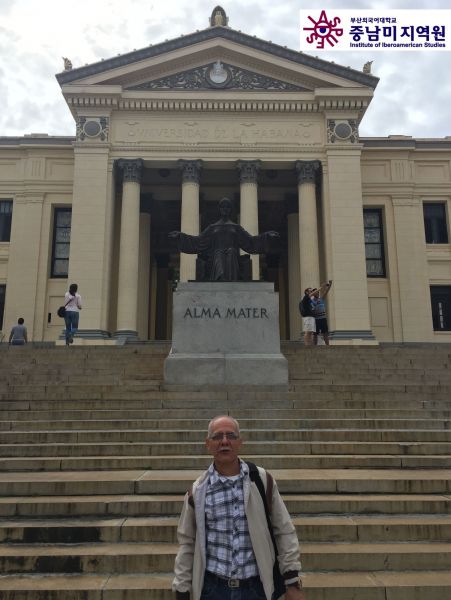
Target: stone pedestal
(226, 333)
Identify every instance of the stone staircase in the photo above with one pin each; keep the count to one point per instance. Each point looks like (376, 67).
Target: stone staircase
(95, 458)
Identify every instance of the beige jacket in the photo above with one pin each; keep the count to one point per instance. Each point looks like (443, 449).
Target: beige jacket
(191, 557)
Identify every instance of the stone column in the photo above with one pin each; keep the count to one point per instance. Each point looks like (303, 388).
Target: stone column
(248, 173)
(23, 264)
(144, 268)
(127, 298)
(294, 269)
(348, 306)
(308, 223)
(413, 275)
(91, 237)
(153, 300)
(190, 213)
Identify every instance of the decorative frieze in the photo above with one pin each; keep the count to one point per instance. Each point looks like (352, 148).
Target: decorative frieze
(190, 170)
(97, 128)
(248, 170)
(307, 170)
(342, 131)
(131, 169)
(218, 75)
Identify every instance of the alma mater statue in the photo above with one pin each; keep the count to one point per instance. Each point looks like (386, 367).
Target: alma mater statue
(218, 247)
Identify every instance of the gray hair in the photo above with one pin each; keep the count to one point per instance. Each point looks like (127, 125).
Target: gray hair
(234, 421)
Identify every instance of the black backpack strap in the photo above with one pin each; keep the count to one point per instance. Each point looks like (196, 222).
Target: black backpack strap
(254, 476)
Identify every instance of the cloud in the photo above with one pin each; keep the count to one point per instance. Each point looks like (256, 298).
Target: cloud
(412, 97)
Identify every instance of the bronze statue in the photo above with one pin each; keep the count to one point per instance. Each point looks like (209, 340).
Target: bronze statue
(218, 247)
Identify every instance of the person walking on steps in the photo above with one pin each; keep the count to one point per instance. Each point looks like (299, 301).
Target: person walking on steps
(72, 301)
(18, 335)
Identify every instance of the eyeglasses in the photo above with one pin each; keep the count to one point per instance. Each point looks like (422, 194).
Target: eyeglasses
(230, 435)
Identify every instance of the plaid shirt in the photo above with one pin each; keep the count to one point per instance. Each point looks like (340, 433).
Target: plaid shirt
(229, 547)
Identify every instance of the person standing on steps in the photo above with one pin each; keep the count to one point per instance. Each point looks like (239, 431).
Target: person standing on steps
(319, 310)
(72, 300)
(18, 335)
(308, 317)
(227, 550)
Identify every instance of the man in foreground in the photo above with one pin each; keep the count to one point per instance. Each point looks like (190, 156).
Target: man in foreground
(226, 551)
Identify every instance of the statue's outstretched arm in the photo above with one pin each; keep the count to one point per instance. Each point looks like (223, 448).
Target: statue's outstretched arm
(190, 244)
(256, 244)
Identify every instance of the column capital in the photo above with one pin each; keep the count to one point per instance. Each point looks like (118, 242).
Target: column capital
(131, 169)
(307, 170)
(190, 170)
(248, 170)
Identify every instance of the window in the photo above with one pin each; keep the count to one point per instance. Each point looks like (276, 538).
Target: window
(374, 242)
(2, 304)
(441, 307)
(6, 213)
(435, 227)
(61, 242)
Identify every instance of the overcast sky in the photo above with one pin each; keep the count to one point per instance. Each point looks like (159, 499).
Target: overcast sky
(413, 96)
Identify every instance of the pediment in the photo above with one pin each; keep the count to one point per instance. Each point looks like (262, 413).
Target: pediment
(218, 76)
(186, 63)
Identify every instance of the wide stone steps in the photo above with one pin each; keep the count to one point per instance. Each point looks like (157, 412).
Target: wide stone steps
(365, 399)
(96, 456)
(265, 416)
(174, 436)
(367, 585)
(340, 376)
(395, 481)
(310, 528)
(171, 504)
(290, 461)
(142, 557)
(147, 448)
(247, 426)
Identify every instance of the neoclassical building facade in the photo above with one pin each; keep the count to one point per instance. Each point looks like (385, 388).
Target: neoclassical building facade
(163, 133)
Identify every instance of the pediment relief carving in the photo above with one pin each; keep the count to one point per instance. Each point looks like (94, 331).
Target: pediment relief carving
(218, 75)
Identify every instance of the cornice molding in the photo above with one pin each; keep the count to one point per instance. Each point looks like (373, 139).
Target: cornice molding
(212, 33)
(209, 105)
(152, 152)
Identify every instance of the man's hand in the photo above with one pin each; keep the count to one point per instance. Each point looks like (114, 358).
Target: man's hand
(174, 234)
(292, 593)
